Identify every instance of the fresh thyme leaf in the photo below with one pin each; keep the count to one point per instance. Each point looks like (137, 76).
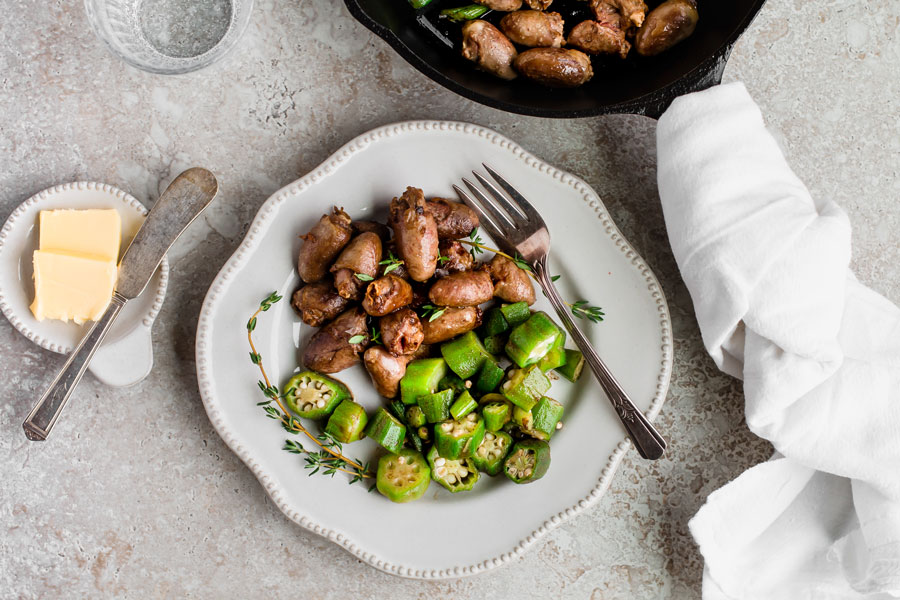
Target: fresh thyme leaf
(392, 263)
(442, 259)
(520, 262)
(476, 243)
(255, 358)
(375, 336)
(555, 277)
(294, 447)
(432, 312)
(251, 324)
(583, 310)
(364, 277)
(357, 339)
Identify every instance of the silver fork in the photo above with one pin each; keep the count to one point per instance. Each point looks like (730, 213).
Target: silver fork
(517, 227)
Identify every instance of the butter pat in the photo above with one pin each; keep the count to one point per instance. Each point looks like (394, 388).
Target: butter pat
(69, 286)
(75, 267)
(95, 233)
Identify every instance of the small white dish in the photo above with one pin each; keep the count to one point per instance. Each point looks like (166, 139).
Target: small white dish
(442, 535)
(126, 355)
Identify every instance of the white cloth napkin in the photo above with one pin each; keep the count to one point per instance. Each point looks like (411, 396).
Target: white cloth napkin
(819, 353)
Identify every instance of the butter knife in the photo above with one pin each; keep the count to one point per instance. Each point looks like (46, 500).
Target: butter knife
(179, 205)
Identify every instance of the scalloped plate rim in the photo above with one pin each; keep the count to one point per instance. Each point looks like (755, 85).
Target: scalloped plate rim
(260, 225)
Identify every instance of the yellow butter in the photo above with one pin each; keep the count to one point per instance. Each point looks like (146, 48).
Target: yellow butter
(69, 286)
(94, 232)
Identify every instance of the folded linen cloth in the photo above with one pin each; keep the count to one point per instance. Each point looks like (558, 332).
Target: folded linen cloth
(819, 353)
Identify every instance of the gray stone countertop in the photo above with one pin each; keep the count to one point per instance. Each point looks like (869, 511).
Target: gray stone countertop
(136, 496)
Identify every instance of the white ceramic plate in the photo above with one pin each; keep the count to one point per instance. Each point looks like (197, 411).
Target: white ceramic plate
(442, 535)
(126, 355)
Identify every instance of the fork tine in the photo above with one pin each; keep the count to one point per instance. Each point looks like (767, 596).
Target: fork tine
(524, 204)
(486, 221)
(499, 214)
(514, 211)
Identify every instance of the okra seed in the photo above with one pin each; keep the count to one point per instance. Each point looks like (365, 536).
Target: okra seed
(303, 385)
(495, 454)
(507, 385)
(402, 460)
(451, 479)
(472, 416)
(468, 384)
(447, 426)
(527, 472)
(327, 395)
(489, 436)
(559, 425)
(439, 461)
(318, 385)
(441, 471)
(321, 403)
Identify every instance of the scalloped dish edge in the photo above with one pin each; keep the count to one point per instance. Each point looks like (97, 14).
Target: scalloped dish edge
(260, 223)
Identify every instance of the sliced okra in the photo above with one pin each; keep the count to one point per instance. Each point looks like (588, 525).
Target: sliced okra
(464, 355)
(524, 387)
(515, 313)
(496, 415)
(547, 414)
(415, 417)
(457, 475)
(531, 340)
(463, 405)
(573, 366)
(387, 431)
(436, 407)
(459, 439)
(496, 344)
(556, 356)
(489, 377)
(488, 458)
(348, 422)
(421, 378)
(403, 476)
(528, 461)
(494, 323)
(312, 395)
(452, 381)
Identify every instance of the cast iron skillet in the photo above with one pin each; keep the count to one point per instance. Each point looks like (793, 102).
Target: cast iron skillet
(643, 86)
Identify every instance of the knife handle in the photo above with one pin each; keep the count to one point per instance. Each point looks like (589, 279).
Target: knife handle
(43, 416)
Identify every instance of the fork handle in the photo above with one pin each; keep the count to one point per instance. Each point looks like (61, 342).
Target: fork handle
(649, 443)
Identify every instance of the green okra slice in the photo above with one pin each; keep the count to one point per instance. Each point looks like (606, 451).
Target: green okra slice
(451, 381)
(402, 476)
(459, 439)
(531, 340)
(494, 323)
(546, 418)
(522, 419)
(457, 475)
(415, 417)
(421, 378)
(348, 422)
(312, 395)
(573, 366)
(489, 377)
(527, 461)
(387, 431)
(488, 458)
(556, 356)
(464, 355)
(463, 405)
(524, 387)
(436, 407)
(496, 415)
(516, 313)
(496, 344)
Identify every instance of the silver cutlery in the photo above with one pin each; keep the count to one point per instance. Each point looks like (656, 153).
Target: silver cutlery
(179, 205)
(517, 228)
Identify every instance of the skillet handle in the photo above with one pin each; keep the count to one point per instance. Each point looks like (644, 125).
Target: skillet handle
(706, 75)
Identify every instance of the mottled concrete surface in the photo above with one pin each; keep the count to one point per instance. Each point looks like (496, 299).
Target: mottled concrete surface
(136, 496)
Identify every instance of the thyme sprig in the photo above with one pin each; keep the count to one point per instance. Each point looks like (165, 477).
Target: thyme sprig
(329, 459)
(432, 312)
(391, 263)
(581, 309)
